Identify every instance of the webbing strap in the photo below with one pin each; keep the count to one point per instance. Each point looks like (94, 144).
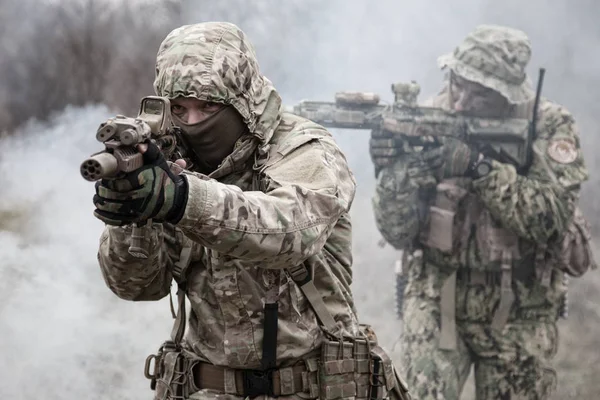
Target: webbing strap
(507, 297)
(542, 268)
(269, 343)
(303, 279)
(179, 324)
(181, 265)
(178, 271)
(271, 316)
(448, 314)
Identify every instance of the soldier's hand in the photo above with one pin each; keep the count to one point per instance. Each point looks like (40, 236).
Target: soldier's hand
(385, 151)
(421, 171)
(452, 158)
(150, 192)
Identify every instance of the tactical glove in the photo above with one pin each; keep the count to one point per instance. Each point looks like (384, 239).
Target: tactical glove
(452, 158)
(422, 172)
(150, 192)
(385, 151)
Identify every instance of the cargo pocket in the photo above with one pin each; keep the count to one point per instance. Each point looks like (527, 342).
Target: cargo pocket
(336, 375)
(374, 372)
(441, 232)
(172, 373)
(493, 240)
(382, 376)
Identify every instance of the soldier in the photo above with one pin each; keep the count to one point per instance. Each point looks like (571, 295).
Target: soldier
(485, 270)
(257, 236)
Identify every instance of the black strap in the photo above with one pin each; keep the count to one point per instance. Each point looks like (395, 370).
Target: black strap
(269, 353)
(179, 271)
(179, 324)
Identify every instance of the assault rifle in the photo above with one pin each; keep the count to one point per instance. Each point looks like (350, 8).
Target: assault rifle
(504, 139)
(120, 136)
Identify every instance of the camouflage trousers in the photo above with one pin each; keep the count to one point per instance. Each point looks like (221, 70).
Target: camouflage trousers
(509, 364)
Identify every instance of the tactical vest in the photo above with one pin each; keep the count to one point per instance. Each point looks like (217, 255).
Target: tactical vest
(460, 226)
(462, 232)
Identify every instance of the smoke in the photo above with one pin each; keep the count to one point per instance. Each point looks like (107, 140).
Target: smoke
(66, 336)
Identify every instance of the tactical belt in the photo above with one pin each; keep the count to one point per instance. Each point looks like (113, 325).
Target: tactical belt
(249, 383)
(478, 277)
(468, 276)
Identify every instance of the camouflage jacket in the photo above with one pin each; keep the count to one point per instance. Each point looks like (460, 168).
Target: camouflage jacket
(280, 199)
(535, 209)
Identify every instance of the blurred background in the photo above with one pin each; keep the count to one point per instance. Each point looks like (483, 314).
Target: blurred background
(67, 65)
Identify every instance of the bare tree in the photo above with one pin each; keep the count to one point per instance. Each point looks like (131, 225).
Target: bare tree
(79, 52)
(134, 50)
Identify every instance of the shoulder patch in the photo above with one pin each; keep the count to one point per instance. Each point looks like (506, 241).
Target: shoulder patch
(562, 151)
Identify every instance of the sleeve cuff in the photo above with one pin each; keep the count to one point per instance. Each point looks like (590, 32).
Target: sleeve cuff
(200, 193)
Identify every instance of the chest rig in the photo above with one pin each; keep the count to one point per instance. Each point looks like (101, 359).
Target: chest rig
(461, 228)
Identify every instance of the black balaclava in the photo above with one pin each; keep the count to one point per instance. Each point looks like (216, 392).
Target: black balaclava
(213, 139)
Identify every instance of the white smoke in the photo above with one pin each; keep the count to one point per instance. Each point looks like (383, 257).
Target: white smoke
(64, 335)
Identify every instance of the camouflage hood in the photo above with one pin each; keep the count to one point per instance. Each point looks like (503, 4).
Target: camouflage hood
(215, 61)
(495, 57)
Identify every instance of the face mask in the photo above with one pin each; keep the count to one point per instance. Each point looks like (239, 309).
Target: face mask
(213, 139)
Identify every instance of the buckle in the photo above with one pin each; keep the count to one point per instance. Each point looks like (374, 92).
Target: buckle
(156, 366)
(155, 371)
(258, 383)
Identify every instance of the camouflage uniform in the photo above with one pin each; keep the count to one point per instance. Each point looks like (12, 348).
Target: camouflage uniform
(281, 199)
(501, 224)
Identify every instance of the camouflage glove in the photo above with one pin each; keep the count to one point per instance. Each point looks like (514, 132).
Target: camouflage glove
(150, 192)
(385, 151)
(453, 158)
(422, 171)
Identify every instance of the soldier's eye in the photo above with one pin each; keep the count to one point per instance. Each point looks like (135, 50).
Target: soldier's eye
(177, 109)
(210, 106)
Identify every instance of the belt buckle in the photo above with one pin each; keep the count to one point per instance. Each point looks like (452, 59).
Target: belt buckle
(258, 382)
